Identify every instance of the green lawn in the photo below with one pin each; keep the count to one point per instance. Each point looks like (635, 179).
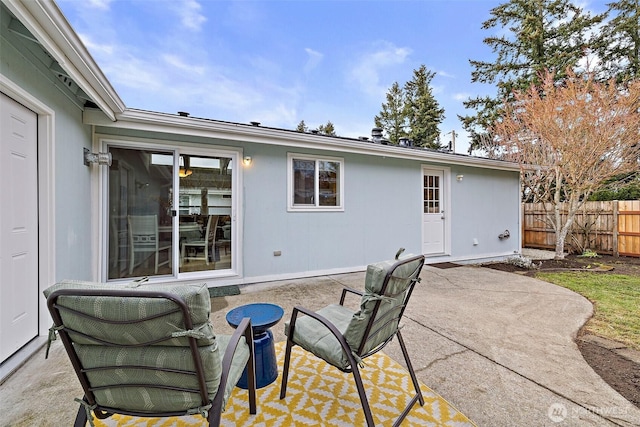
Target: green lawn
(616, 300)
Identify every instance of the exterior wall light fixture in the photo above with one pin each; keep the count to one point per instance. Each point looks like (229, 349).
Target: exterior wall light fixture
(247, 160)
(184, 170)
(459, 177)
(96, 158)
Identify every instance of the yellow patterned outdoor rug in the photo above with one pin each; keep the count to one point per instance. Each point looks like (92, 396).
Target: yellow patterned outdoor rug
(321, 395)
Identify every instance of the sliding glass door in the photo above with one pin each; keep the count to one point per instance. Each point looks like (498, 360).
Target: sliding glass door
(204, 206)
(169, 213)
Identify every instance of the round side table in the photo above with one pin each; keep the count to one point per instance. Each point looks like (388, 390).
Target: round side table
(263, 316)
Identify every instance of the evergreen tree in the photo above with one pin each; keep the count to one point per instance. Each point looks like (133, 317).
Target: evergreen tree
(618, 47)
(302, 127)
(327, 129)
(392, 119)
(540, 35)
(423, 112)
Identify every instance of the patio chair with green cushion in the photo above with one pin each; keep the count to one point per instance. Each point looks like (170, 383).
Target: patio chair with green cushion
(149, 351)
(344, 338)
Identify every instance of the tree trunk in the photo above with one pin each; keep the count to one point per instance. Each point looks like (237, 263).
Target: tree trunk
(561, 233)
(560, 239)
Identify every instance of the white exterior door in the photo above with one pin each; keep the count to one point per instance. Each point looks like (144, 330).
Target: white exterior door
(433, 219)
(18, 226)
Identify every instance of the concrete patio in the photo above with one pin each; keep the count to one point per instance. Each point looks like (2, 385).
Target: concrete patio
(498, 346)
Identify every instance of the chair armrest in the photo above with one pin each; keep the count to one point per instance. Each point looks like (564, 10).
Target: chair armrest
(243, 329)
(351, 290)
(327, 324)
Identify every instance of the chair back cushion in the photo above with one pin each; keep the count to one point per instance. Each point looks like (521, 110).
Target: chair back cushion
(128, 373)
(128, 311)
(154, 370)
(392, 302)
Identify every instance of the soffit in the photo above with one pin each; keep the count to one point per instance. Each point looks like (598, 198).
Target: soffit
(42, 22)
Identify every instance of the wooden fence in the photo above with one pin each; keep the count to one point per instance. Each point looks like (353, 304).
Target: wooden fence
(611, 227)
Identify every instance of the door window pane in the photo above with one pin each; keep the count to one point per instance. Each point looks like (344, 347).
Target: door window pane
(205, 213)
(140, 221)
(431, 194)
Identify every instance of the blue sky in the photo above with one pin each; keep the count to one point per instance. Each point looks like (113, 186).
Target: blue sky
(279, 62)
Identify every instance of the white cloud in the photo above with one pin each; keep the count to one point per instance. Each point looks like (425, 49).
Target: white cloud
(134, 73)
(280, 115)
(95, 48)
(264, 66)
(165, 82)
(314, 58)
(178, 63)
(462, 96)
(190, 14)
(99, 4)
(446, 74)
(366, 73)
(437, 89)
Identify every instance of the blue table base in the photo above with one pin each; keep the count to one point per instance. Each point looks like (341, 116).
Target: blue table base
(266, 362)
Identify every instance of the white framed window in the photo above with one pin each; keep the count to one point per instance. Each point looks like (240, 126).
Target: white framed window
(315, 183)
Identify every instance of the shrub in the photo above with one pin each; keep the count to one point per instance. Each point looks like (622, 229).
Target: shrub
(588, 253)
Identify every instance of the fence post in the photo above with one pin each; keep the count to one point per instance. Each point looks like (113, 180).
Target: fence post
(616, 209)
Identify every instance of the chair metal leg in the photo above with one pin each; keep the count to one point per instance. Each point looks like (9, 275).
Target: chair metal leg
(416, 385)
(363, 397)
(285, 369)
(251, 372)
(214, 418)
(406, 411)
(418, 396)
(81, 417)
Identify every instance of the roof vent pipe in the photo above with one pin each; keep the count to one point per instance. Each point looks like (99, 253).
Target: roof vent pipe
(183, 113)
(405, 142)
(255, 123)
(376, 135)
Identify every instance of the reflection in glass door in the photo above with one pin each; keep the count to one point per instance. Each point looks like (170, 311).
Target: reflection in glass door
(142, 205)
(204, 208)
(140, 213)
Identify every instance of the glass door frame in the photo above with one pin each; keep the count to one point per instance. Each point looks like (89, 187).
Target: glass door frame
(444, 207)
(178, 149)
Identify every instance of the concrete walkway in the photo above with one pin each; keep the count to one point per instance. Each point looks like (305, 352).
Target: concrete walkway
(498, 346)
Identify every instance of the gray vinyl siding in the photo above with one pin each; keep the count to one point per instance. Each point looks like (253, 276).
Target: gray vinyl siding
(483, 205)
(382, 205)
(382, 211)
(74, 234)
